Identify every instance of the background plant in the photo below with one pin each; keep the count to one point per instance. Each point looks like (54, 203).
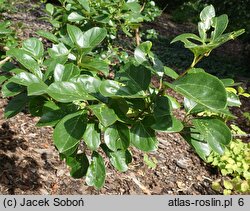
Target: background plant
(8, 37)
(72, 88)
(6, 6)
(238, 11)
(115, 16)
(235, 163)
(8, 40)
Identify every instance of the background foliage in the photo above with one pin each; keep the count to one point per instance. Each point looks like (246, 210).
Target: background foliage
(237, 11)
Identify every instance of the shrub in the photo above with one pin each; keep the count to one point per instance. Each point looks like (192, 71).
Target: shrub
(99, 108)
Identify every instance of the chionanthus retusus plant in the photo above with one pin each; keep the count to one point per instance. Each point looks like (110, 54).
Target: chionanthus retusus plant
(100, 110)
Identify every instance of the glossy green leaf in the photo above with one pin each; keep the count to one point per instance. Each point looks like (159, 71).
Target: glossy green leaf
(3, 78)
(26, 60)
(104, 18)
(74, 17)
(163, 118)
(170, 72)
(92, 136)
(96, 173)
(121, 108)
(158, 66)
(53, 113)
(55, 23)
(196, 140)
(50, 118)
(228, 36)
(105, 114)
(162, 106)
(115, 89)
(76, 35)
(90, 84)
(47, 35)
(10, 89)
(15, 105)
(58, 72)
(51, 63)
(67, 41)
(220, 24)
(79, 164)
(233, 99)
(143, 137)
(50, 8)
(167, 123)
(120, 160)
(215, 132)
(25, 79)
(186, 37)
(117, 137)
(15, 71)
(87, 40)
(189, 105)
(174, 103)
(69, 131)
(227, 82)
(202, 88)
(37, 89)
(141, 52)
(93, 37)
(162, 114)
(133, 6)
(96, 65)
(67, 92)
(65, 73)
(194, 108)
(207, 13)
(36, 105)
(206, 16)
(196, 70)
(58, 50)
(34, 47)
(85, 4)
(138, 76)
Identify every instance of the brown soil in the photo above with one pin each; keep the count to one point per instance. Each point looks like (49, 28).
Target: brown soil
(30, 164)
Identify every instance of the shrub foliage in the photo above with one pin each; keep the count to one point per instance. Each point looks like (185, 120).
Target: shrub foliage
(100, 107)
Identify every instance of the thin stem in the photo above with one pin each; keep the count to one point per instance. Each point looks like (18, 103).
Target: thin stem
(79, 59)
(195, 61)
(137, 36)
(143, 6)
(161, 83)
(5, 60)
(137, 31)
(198, 59)
(241, 135)
(186, 116)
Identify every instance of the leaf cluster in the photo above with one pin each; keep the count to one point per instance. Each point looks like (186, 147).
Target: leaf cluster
(8, 37)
